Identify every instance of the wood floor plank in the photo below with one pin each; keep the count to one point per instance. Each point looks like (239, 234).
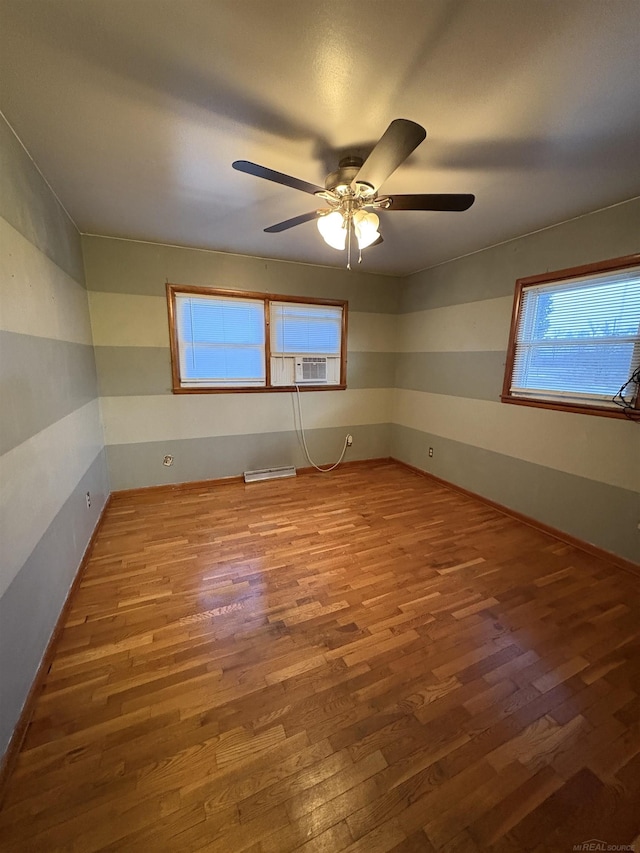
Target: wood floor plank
(360, 661)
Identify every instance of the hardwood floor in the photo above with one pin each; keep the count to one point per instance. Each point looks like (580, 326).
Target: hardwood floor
(361, 661)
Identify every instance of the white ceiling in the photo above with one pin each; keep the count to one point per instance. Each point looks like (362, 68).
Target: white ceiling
(135, 109)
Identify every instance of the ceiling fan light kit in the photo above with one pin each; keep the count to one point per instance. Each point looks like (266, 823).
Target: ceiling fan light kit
(332, 228)
(366, 227)
(336, 225)
(353, 188)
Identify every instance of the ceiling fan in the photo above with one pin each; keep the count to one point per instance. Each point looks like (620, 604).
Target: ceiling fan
(351, 192)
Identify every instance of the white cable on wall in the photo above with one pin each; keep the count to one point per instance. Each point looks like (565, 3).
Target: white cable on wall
(304, 441)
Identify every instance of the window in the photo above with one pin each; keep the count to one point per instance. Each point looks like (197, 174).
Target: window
(306, 342)
(220, 341)
(224, 340)
(575, 339)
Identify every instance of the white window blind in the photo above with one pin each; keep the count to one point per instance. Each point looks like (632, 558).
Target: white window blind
(220, 341)
(579, 338)
(301, 328)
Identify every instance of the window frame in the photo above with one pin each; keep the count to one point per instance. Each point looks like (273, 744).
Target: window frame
(266, 298)
(555, 277)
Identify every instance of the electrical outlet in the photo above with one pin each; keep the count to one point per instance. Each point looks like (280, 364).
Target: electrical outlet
(168, 460)
(88, 500)
(349, 440)
(431, 451)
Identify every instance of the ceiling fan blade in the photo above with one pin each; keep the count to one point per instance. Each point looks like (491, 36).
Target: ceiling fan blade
(291, 223)
(396, 144)
(432, 201)
(276, 177)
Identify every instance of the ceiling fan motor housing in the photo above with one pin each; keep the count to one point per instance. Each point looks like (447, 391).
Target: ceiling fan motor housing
(340, 181)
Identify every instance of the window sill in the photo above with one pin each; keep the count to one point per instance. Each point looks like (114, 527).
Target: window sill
(261, 390)
(578, 408)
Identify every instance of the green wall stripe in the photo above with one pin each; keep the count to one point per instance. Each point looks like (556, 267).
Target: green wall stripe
(45, 380)
(133, 466)
(478, 375)
(143, 371)
(26, 202)
(371, 369)
(124, 266)
(32, 602)
(492, 272)
(133, 371)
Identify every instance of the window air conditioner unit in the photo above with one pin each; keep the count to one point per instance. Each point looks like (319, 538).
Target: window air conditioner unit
(311, 368)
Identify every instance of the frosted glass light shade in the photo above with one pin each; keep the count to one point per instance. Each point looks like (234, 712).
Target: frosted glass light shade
(332, 229)
(366, 228)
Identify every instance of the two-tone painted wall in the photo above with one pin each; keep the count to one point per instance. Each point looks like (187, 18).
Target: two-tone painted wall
(51, 446)
(577, 473)
(220, 435)
(425, 366)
